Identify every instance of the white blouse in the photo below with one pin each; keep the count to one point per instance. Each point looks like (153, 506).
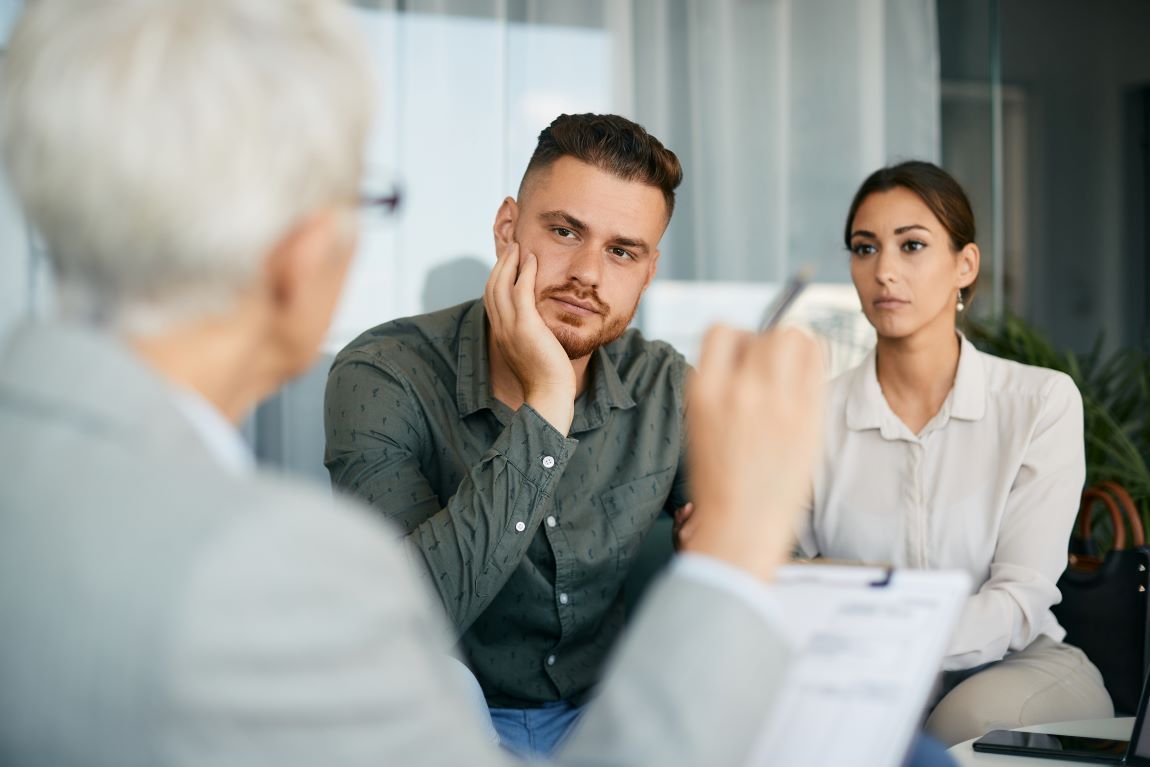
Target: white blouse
(990, 486)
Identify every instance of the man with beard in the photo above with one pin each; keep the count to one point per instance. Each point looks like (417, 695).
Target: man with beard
(526, 442)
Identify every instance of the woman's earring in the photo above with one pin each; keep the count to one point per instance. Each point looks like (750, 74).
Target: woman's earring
(961, 304)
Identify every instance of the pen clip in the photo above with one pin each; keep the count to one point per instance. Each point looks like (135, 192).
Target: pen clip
(884, 581)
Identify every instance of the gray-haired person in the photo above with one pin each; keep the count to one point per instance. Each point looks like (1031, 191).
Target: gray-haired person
(193, 168)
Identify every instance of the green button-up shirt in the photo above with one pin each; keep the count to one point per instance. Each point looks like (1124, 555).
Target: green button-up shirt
(526, 534)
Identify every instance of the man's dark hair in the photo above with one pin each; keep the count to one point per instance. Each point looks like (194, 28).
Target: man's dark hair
(613, 144)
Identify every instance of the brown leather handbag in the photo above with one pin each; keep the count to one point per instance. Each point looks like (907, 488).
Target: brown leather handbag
(1105, 600)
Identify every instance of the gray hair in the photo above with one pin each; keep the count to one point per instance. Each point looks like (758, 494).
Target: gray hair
(161, 148)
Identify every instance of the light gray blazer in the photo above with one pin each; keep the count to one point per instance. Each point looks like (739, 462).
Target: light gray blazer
(158, 610)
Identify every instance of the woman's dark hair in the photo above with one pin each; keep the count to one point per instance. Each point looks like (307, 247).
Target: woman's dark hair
(937, 189)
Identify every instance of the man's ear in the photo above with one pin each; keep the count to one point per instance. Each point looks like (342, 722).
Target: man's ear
(505, 219)
(303, 257)
(303, 278)
(652, 268)
(969, 260)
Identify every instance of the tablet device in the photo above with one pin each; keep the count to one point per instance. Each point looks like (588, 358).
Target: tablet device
(1050, 746)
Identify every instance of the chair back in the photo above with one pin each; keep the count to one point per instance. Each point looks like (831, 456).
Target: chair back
(1105, 600)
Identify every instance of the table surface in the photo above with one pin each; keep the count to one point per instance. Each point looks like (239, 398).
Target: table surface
(1118, 729)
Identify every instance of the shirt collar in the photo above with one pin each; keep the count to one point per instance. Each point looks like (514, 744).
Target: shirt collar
(219, 436)
(605, 392)
(865, 402)
(473, 377)
(969, 396)
(867, 408)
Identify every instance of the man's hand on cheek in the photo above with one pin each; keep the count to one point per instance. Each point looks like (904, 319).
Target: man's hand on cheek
(528, 346)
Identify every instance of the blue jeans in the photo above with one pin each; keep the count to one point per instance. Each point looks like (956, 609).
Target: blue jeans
(530, 732)
(925, 751)
(537, 732)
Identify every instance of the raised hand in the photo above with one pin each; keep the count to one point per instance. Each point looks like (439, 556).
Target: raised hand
(755, 413)
(529, 347)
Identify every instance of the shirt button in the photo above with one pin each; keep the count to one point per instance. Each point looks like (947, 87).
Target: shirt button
(550, 660)
(520, 527)
(562, 599)
(551, 522)
(548, 462)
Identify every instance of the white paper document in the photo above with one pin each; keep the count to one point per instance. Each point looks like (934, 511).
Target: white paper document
(869, 645)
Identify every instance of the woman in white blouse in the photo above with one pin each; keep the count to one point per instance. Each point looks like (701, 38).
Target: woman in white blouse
(937, 455)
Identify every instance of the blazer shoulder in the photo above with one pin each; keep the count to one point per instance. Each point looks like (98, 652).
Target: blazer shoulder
(271, 508)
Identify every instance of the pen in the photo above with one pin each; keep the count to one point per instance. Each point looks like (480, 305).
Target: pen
(775, 310)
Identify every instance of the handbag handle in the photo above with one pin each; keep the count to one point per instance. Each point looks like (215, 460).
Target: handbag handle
(1119, 503)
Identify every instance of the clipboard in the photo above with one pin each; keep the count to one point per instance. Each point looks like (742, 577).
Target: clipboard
(869, 644)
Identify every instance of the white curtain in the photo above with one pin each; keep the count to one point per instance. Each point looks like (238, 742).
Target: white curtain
(779, 109)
